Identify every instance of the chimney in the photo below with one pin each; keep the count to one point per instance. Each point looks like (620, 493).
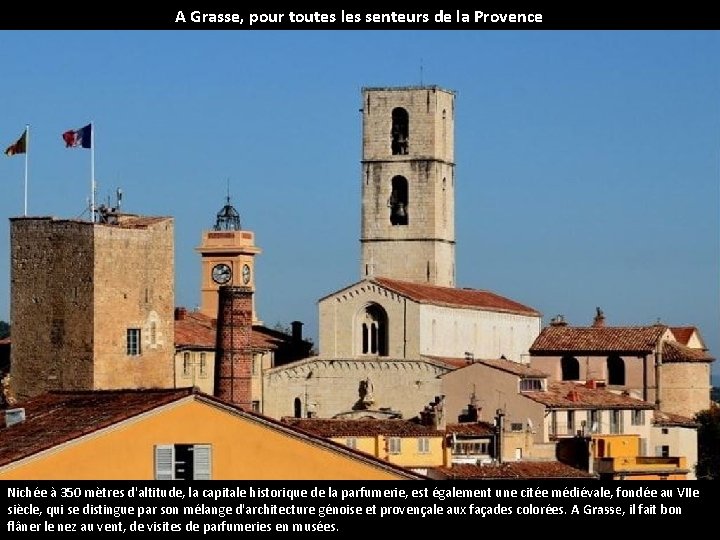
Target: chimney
(558, 321)
(599, 320)
(296, 331)
(591, 383)
(14, 416)
(180, 313)
(233, 364)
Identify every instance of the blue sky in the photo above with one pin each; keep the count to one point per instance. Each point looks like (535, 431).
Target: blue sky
(587, 161)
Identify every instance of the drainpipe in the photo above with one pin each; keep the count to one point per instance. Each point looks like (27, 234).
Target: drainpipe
(645, 377)
(658, 366)
(500, 427)
(405, 328)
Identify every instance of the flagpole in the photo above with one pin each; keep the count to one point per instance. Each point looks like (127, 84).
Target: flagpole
(92, 172)
(27, 151)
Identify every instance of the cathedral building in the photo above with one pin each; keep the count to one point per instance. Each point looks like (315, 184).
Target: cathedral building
(389, 330)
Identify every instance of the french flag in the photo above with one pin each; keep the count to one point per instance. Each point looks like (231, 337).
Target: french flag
(78, 138)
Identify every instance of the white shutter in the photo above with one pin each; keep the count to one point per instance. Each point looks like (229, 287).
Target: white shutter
(202, 458)
(164, 462)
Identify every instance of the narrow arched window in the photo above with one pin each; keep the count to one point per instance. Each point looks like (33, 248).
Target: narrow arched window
(398, 202)
(615, 370)
(298, 408)
(399, 134)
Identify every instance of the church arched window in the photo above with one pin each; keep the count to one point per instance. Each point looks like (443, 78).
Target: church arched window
(399, 134)
(398, 202)
(373, 331)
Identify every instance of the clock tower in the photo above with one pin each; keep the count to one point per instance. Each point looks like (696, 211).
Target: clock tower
(228, 258)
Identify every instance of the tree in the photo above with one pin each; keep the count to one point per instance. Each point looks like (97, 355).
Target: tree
(4, 329)
(708, 465)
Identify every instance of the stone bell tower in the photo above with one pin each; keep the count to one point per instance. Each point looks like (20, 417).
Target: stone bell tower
(408, 184)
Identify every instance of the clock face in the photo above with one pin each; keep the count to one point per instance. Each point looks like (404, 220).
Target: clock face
(246, 274)
(221, 273)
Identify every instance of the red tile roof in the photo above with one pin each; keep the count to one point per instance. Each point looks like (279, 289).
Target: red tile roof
(54, 418)
(588, 339)
(570, 395)
(516, 368)
(454, 297)
(664, 419)
(677, 352)
(471, 428)
(683, 333)
(364, 427)
(196, 330)
(513, 470)
(58, 417)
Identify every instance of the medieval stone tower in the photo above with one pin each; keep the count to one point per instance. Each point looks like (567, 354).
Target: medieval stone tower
(408, 184)
(91, 303)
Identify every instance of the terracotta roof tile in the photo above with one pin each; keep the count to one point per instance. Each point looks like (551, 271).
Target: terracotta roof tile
(560, 339)
(471, 428)
(677, 352)
(365, 427)
(57, 417)
(683, 333)
(451, 296)
(661, 418)
(516, 368)
(513, 470)
(570, 395)
(196, 330)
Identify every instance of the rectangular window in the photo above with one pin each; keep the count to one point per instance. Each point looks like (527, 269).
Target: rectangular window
(394, 446)
(256, 406)
(423, 445)
(638, 417)
(203, 365)
(516, 426)
(133, 342)
(351, 442)
(553, 423)
(183, 462)
(616, 421)
(662, 451)
(571, 422)
(470, 448)
(665, 431)
(530, 385)
(186, 364)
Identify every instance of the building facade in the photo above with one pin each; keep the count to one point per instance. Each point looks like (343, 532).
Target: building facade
(91, 304)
